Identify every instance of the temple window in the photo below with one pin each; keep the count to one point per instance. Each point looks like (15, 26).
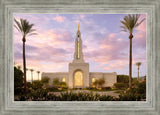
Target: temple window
(93, 80)
(63, 79)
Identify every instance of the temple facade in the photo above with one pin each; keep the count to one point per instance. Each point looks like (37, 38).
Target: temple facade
(78, 75)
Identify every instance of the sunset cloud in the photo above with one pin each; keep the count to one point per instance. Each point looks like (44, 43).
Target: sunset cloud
(59, 18)
(105, 47)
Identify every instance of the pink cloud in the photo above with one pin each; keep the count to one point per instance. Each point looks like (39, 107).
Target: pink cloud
(54, 38)
(109, 52)
(54, 47)
(82, 16)
(77, 21)
(119, 64)
(59, 18)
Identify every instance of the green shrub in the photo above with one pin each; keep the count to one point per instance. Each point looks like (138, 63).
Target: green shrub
(42, 95)
(22, 98)
(56, 82)
(18, 81)
(106, 88)
(63, 84)
(37, 84)
(141, 88)
(52, 89)
(106, 98)
(29, 85)
(121, 85)
(45, 80)
(129, 97)
(19, 91)
(135, 94)
(122, 78)
(52, 97)
(99, 82)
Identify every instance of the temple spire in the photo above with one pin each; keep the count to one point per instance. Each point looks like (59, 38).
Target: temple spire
(78, 26)
(78, 54)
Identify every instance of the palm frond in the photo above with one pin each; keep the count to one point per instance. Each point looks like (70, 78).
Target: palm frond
(123, 28)
(29, 29)
(32, 34)
(125, 24)
(140, 22)
(18, 25)
(17, 28)
(130, 22)
(32, 30)
(138, 63)
(25, 27)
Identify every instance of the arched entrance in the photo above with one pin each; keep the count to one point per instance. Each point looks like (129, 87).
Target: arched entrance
(78, 79)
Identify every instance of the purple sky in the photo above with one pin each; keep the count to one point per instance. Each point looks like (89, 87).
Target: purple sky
(105, 46)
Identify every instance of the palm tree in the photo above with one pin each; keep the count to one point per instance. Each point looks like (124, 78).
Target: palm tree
(19, 67)
(38, 74)
(25, 28)
(129, 23)
(26, 74)
(45, 81)
(138, 64)
(31, 75)
(101, 82)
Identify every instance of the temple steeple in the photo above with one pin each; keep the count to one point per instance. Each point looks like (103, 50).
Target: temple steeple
(78, 54)
(78, 26)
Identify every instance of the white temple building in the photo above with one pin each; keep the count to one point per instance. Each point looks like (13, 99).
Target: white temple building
(78, 75)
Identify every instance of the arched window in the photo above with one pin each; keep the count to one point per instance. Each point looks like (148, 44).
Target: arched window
(78, 78)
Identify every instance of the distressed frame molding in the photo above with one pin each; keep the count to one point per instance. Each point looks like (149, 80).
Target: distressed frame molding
(149, 107)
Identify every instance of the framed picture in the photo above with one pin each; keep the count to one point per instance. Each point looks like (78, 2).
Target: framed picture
(58, 59)
(73, 35)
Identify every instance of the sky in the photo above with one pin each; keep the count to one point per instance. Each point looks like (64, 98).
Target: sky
(105, 46)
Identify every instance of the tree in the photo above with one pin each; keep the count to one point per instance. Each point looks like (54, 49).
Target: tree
(25, 28)
(101, 82)
(29, 85)
(19, 67)
(95, 84)
(18, 77)
(129, 23)
(122, 78)
(45, 80)
(38, 74)
(37, 84)
(18, 80)
(138, 65)
(26, 72)
(56, 82)
(31, 75)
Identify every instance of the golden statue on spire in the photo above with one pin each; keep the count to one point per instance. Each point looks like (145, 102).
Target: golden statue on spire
(78, 26)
